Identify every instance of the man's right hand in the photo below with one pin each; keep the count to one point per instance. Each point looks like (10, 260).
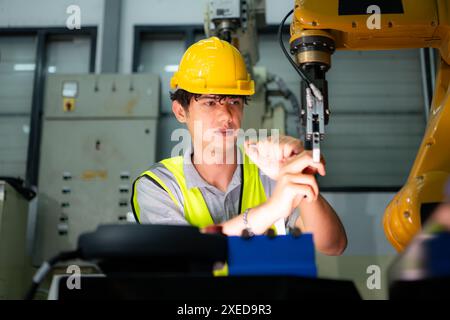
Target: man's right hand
(293, 186)
(295, 183)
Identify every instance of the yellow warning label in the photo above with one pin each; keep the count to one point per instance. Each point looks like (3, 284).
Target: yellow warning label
(68, 104)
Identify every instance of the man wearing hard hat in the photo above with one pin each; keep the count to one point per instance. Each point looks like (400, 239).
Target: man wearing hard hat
(261, 187)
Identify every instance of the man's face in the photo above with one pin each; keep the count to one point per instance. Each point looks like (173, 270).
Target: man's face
(214, 120)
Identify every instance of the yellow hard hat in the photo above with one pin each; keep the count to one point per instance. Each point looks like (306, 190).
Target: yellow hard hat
(213, 66)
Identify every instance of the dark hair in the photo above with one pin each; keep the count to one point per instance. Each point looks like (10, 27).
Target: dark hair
(184, 97)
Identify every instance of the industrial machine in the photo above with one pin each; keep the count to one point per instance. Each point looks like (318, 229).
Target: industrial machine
(161, 262)
(237, 21)
(320, 27)
(422, 270)
(99, 132)
(15, 258)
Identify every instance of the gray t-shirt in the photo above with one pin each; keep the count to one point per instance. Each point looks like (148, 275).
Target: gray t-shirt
(156, 206)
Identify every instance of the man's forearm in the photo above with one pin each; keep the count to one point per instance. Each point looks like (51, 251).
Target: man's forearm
(321, 220)
(259, 219)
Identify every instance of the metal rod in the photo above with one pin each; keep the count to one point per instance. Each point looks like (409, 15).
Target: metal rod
(426, 94)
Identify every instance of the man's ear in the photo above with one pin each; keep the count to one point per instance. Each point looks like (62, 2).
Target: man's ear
(179, 111)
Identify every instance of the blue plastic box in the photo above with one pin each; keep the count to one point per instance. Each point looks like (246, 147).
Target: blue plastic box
(281, 255)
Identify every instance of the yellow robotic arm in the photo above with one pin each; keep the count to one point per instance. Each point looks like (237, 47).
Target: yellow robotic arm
(320, 27)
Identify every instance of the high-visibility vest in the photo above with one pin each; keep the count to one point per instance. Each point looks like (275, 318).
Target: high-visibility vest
(195, 209)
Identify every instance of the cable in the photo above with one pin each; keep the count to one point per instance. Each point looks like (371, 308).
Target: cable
(280, 39)
(287, 93)
(45, 268)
